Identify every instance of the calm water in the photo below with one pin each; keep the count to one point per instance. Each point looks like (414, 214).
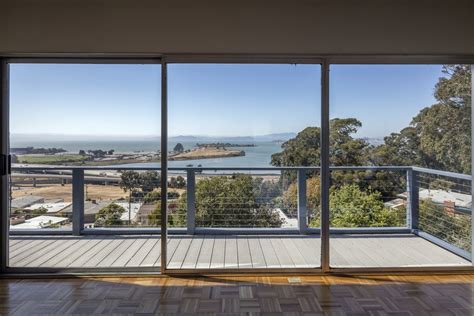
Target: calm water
(259, 156)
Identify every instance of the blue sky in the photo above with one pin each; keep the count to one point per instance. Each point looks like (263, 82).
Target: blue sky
(212, 99)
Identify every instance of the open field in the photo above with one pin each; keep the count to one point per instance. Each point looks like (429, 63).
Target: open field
(57, 191)
(94, 192)
(50, 159)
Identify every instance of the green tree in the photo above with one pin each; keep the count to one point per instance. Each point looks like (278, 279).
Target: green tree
(149, 180)
(152, 196)
(109, 215)
(177, 183)
(176, 215)
(313, 197)
(352, 207)
(130, 182)
(179, 148)
(305, 148)
(230, 201)
(438, 137)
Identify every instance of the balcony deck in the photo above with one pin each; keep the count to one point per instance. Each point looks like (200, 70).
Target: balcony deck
(227, 252)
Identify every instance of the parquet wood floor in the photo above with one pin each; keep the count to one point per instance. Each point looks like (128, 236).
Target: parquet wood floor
(310, 295)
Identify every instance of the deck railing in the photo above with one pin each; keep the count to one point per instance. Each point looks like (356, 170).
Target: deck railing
(414, 178)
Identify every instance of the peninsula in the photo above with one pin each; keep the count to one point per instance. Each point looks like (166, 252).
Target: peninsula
(207, 153)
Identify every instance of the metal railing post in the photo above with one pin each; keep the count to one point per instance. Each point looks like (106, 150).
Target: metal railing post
(412, 199)
(77, 201)
(302, 208)
(190, 201)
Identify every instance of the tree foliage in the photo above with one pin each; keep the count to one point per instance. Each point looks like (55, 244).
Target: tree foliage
(289, 199)
(352, 207)
(305, 149)
(179, 148)
(177, 183)
(109, 215)
(438, 137)
(176, 215)
(147, 181)
(230, 201)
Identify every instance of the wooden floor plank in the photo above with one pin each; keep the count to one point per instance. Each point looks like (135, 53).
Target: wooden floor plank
(231, 253)
(103, 253)
(269, 253)
(176, 260)
(294, 252)
(256, 253)
(310, 248)
(243, 249)
(28, 246)
(283, 256)
(63, 246)
(138, 258)
(240, 295)
(153, 256)
(30, 254)
(90, 253)
(204, 260)
(171, 247)
(128, 254)
(68, 257)
(116, 253)
(191, 259)
(218, 253)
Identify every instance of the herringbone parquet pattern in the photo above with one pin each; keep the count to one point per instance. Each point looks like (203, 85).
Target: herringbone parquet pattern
(317, 295)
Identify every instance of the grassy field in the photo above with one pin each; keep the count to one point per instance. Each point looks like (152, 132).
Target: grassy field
(94, 192)
(57, 191)
(51, 159)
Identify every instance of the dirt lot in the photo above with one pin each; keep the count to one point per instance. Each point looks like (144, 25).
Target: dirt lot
(57, 191)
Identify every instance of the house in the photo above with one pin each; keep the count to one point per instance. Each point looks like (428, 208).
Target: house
(25, 201)
(42, 221)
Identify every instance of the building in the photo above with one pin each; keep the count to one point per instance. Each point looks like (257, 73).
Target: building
(460, 201)
(25, 201)
(40, 222)
(50, 207)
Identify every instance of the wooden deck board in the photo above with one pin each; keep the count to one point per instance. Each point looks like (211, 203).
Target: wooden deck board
(218, 253)
(137, 259)
(232, 252)
(192, 255)
(205, 256)
(256, 253)
(153, 255)
(243, 250)
(176, 261)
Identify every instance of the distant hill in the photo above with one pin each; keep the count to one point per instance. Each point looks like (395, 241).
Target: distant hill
(261, 138)
(374, 141)
(26, 138)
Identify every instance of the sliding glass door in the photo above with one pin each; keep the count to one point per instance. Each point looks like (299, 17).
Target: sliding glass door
(243, 166)
(139, 165)
(85, 151)
(400, 161)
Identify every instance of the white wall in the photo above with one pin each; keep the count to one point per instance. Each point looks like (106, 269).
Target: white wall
(238, 26)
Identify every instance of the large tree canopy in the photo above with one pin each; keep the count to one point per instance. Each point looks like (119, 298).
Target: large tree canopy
(438, 137)
(305, 149)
